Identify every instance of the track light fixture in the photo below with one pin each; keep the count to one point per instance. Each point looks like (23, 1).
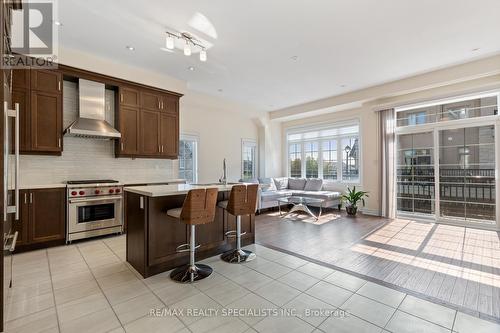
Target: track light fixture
(190, 42)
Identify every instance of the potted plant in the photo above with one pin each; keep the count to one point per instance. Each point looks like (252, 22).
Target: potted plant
(351, 198)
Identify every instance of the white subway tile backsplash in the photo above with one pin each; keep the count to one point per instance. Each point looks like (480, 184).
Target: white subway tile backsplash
(90, 158)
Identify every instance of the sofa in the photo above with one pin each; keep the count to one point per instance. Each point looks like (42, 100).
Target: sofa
(272, 189)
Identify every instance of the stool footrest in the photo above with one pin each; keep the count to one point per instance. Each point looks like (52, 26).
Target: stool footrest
(185, 248)
(231, 233)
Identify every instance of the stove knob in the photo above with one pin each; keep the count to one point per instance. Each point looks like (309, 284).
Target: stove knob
(117, 190)
(74, 193)
(81, 192)
(97, 191)
(111, 190)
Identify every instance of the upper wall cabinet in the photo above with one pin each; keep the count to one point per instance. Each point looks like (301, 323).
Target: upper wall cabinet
(39, 94)
(148, 121)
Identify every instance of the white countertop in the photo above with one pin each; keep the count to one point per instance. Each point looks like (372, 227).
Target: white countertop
(168, 190)
(39, 186)
(131, 183)
(128, 183)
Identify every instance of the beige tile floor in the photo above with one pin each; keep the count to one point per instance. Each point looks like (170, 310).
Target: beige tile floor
(88, 287)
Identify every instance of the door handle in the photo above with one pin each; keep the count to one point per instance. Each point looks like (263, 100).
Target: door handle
(11, 114)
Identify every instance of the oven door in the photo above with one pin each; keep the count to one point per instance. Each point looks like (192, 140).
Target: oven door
(94, 213)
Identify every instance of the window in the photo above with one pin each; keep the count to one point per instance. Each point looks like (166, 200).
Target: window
(249, 159)
(446, 164)
(331, 153)
(188, 158)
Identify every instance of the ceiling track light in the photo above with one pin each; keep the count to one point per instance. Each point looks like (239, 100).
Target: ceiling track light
(190, 42)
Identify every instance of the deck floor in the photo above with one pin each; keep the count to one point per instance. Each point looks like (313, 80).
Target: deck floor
(453, 265)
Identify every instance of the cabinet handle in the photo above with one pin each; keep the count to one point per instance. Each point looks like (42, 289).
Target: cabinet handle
(121, 98)
(31, 197)
(25, 198)
(59, 85)
(159, 104)
(159, 150)
(162, 105)
(59, 143)
(122, 145)
(162, 148)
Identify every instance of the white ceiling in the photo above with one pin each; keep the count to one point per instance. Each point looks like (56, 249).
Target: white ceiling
(341, 45)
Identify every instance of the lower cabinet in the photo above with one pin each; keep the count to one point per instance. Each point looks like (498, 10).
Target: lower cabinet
(42, 219)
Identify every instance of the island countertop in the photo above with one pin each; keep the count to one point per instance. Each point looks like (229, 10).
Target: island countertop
(168, 190)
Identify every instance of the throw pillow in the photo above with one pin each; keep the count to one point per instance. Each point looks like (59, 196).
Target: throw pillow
(296, 183)
(313, 184)
(281, 183)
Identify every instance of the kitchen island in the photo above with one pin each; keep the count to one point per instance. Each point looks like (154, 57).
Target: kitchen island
(152, 236)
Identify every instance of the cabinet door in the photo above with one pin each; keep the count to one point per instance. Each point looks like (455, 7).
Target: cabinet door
(150, 133)
(21, 78)
(150, 100)
(46, 122)
(129, 129)
(48, 210)
(22, 96)
(49, 81)
(169, 135)
(129, 97)
(22, 225)
(170, 104)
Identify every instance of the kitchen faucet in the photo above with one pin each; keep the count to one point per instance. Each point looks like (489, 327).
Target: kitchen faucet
(223, 179)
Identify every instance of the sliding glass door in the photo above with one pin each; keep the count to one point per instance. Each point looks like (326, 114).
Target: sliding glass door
(415, 173)
(467, 173)
(464, 162)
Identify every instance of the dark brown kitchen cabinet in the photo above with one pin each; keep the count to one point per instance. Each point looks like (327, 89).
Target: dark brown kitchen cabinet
(169, 134)
(42, 219)
(129, 129)
(39, 94)
(129, 97)
(49, 81)
(22, 97)
(46, 122)
(151, 100)
(150, 133)
(148, 121)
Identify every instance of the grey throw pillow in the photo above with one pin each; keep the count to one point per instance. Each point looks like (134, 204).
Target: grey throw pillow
(296, 183)
(281, 183)
(267, 184)
(313, 184)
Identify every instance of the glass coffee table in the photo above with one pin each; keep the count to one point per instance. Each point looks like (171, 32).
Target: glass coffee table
(300, 204)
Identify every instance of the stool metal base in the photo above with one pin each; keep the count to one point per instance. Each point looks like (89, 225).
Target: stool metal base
(236, 256)
(188, 273)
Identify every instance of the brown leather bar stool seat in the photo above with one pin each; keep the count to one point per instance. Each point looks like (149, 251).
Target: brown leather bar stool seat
(242, 201)
(198, 208)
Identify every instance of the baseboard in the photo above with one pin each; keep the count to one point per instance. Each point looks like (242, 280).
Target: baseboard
(373, 212)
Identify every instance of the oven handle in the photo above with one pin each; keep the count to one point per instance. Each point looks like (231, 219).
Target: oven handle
(77, 200)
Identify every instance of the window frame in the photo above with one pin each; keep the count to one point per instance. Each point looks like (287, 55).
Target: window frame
(196, 139)
(315, 127)
(252, 144)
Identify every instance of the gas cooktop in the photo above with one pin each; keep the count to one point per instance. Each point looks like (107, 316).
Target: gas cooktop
(91, 181)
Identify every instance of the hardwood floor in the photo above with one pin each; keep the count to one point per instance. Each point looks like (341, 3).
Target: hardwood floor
(452, 265)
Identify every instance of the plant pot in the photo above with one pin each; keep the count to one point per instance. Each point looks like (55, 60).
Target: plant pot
(351, 210)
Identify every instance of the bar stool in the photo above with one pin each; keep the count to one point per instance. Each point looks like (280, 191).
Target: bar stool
(198, 208)
(242, 201)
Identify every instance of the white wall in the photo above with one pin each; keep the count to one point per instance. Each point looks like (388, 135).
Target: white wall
(220, 124)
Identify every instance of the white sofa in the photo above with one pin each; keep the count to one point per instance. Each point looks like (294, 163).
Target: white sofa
(271, 189)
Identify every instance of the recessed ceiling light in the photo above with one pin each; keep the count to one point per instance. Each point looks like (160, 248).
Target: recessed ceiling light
(220, 90)
(476, 49)
(58, 23)
(191, 68)
(342, 86)
(130, 48)
(294, 58)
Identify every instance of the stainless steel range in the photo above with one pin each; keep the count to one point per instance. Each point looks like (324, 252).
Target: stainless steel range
(95, 208)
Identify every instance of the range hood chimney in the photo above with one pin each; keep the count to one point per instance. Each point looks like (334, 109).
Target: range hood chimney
(91, 121)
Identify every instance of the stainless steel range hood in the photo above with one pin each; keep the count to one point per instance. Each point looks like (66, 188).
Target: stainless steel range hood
(91, 121)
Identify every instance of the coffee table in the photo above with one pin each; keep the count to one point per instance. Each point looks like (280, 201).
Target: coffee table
(300, 204)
